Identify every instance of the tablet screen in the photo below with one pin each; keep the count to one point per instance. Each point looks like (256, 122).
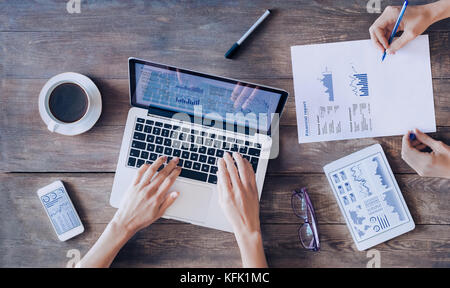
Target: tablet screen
(369, 196)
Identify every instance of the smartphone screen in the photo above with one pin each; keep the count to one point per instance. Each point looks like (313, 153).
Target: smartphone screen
(60, 210)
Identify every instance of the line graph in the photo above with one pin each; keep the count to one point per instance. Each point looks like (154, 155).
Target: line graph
(59, 209)
(359, 83)
(357, 175)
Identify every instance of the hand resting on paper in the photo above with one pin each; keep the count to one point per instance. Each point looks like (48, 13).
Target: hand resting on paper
(428, 164)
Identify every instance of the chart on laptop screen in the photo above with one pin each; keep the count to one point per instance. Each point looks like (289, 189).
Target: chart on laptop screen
(179, 91)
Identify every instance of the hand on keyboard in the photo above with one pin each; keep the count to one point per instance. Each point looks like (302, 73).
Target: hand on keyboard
(146, 200)
(143, 203)
(238, 197)
(198, 150)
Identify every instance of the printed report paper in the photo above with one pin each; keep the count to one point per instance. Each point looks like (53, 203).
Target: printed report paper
(344, 91)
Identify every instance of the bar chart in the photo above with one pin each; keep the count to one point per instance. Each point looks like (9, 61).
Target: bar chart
(360, 84)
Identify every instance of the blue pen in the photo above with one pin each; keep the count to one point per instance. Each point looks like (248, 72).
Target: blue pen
(396, 27)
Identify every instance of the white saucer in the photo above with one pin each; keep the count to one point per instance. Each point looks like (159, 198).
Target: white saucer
(93, 112)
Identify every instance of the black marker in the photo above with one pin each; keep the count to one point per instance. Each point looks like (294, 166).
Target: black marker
(236, 45)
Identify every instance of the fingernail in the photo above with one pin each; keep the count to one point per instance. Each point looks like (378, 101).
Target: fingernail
(412, 136)
(390, 52)
(174, 195)
(176, 159)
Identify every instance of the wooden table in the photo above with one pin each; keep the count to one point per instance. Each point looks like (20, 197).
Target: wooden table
(39, 39)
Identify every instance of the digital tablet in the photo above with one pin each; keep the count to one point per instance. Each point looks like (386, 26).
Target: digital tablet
(369, 197)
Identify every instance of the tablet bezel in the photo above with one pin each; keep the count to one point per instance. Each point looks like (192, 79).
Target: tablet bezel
(377, 239)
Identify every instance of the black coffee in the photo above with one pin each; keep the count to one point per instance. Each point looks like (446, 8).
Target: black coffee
(68, 102)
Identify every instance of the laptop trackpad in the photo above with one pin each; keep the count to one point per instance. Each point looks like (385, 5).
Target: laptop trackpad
(192, 203)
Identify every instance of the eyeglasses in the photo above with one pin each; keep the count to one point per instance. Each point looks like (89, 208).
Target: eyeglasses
(303, 209)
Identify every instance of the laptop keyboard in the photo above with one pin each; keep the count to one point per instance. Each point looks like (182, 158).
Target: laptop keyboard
(198, 150)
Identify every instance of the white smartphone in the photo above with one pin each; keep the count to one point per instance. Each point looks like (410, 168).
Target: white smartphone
(60, 211)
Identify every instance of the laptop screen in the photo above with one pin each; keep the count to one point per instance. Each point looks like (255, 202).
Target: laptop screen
(177, 90)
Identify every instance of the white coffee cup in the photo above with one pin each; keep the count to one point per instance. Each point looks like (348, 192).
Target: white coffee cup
(92, 112)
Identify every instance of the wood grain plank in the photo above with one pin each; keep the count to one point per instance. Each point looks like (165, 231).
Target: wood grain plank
(428, 199)
(44, 54)
(23, 93)
(423, 196)
(192, 246)
(305, 158)
(107, 15)
(33, 149)
(25, 137)
(39, 39)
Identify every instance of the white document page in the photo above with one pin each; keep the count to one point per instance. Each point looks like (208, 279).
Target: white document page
(344, 90)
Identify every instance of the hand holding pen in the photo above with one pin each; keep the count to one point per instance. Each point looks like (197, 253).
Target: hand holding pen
(415, 21)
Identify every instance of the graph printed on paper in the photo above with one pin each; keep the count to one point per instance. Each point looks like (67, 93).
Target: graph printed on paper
(332, 118)
(327, 82)
(359, 83)
(367, 194)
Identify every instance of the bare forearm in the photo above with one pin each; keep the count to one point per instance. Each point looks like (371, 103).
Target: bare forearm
(106, 248)
(252, 251)
(439, 10)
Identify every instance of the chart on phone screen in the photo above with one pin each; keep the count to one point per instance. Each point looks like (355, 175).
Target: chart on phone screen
(60, 211)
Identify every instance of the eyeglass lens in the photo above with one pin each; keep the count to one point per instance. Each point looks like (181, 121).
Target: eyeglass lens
(299, 205)
(306, 236)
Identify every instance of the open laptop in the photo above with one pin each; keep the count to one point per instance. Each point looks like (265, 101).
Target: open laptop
(196, 117)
